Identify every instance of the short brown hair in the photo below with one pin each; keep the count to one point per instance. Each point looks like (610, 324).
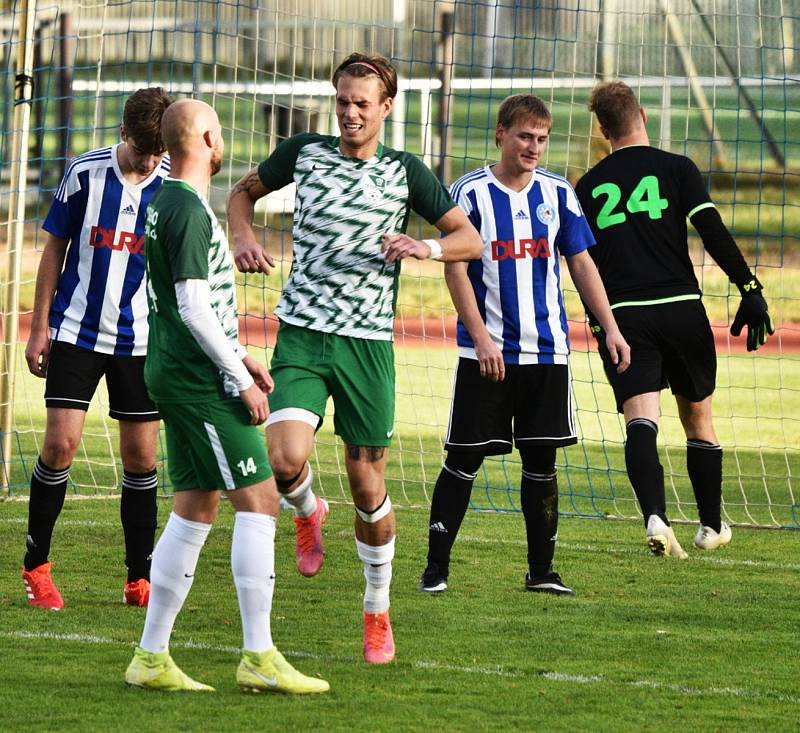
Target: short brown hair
(616, 107)
(522, 108)
(360, 65)
(142, 118)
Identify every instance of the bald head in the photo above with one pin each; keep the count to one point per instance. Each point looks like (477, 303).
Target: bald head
(192, 134)
(186, 124)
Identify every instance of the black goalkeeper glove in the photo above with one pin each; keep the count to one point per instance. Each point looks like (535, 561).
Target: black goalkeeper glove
(754, 314)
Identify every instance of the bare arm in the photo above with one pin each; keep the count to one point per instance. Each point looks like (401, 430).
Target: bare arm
(461, 241)
(490, 358)
(248, 254)
(37, 350)
(590, 288)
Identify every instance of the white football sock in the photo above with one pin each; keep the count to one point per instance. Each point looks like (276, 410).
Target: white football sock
(171, 576)
(253, 566)
(302, 498)
(378, 573)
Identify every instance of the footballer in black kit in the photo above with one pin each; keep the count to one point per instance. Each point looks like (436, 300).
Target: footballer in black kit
(637, 201)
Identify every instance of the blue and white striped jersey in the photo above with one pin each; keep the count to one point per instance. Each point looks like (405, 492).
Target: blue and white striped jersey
(100, 303)
(516, 281)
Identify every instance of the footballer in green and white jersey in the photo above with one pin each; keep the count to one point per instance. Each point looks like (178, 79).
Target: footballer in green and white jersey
(339, 281)
(184, 240)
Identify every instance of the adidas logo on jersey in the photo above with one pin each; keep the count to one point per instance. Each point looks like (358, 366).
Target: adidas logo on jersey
(438, 527)
(521, 216)
(129, 210)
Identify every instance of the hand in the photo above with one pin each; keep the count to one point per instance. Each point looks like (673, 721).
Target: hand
(754, 314)
(37, 353)
(256, 403)
(490, 360)
(250, 256)
(260, 374)
(399, 246)
(619, 350)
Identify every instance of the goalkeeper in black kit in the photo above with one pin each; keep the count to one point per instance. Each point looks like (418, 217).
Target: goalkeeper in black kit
(637, 201)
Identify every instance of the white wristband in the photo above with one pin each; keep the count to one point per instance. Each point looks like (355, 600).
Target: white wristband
(436, 248)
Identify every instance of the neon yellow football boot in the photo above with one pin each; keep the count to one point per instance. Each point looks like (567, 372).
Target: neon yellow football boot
(269, 672)
(157, 671)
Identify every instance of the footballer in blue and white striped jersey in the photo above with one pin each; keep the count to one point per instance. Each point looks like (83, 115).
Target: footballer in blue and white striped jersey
(516, 281)
(100, 303)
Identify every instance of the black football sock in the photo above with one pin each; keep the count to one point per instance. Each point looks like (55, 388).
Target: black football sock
(48, 489)
(539, 499)
(449, 505)
(644, 469)
(704, 465)
(138, 511)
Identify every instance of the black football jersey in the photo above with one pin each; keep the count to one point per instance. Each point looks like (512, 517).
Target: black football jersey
(637, 201)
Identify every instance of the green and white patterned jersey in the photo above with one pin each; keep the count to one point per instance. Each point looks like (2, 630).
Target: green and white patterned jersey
(339, 282)
(184, 241)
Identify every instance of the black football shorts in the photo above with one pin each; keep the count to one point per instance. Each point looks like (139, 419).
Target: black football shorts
(73, 374)
(671, 346)
(532, 406)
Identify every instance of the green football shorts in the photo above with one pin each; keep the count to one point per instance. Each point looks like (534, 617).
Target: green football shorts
(212, 445)
(309, 366)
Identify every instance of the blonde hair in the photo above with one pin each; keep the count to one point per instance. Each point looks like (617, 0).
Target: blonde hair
(522, 108)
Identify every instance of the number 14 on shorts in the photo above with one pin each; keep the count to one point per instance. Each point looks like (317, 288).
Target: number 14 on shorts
(247, 466)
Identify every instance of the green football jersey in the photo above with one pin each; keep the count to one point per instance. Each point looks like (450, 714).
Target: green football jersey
(184, 241)
(339, 281)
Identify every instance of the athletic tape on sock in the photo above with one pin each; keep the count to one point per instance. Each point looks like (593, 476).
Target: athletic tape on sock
(377, 514)
(305, 484)
(372, 555)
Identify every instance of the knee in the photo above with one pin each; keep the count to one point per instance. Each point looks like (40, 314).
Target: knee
(540, 460)
(138, 444)
(59, 449)
(138, 459)
(371, 499)
(699, 427)
(287, 463)
(464, 464)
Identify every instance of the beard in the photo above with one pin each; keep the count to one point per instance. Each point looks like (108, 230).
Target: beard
(216, 163)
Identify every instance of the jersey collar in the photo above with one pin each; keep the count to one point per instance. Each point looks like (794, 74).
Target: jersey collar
(632, 145)
(359, 161)
(180, 183)
(503, 187)
(124, 181)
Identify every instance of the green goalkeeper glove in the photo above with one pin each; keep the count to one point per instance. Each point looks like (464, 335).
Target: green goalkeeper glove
(753, 313)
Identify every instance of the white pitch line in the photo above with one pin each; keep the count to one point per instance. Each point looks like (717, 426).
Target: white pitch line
(551, 676)
(66, 522)
(712, 559)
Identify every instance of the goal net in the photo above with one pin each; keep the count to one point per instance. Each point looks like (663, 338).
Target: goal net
(720, 82)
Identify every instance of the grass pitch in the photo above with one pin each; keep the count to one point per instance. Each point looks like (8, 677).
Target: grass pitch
(648, 643)
(757, 414)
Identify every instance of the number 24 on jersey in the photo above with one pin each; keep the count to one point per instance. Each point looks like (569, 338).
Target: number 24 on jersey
(645, 198)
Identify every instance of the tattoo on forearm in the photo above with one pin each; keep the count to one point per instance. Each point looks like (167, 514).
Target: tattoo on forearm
(247, 183)
(369, 453)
